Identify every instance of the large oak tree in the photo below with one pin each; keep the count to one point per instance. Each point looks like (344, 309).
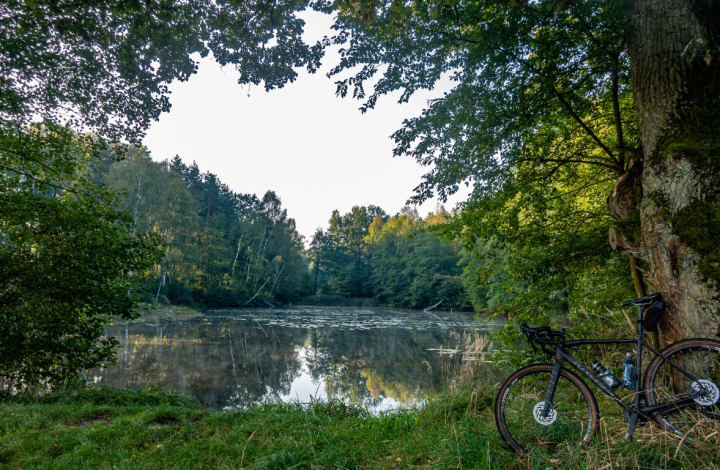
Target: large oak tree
(552, 102)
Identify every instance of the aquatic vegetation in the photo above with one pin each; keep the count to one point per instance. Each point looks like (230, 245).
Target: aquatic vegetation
(233, 358)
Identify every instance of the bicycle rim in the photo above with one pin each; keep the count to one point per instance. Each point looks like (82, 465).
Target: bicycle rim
(575, 413)
(665, 384)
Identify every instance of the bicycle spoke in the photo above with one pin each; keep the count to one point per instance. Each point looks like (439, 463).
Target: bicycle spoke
(570, 420)
(700, 416)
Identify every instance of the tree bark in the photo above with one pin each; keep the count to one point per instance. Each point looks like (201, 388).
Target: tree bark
(677, 103)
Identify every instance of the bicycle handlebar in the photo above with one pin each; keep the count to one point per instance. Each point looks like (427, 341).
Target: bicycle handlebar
(540, 335)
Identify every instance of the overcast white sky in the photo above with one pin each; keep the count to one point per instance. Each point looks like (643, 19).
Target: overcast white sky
(315, 150)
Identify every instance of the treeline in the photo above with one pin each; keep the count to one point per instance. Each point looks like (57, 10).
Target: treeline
(395, 260)
(223, 249)
(220, 248)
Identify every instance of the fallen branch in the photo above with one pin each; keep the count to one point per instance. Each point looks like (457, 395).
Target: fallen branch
(427, 310)
(430, 308)
(261, 327)
(256, 293)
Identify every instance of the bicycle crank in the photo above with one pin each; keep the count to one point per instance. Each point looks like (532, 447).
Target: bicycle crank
(641, 421)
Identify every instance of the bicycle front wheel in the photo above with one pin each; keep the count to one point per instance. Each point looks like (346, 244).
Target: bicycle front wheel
(521, 398)
(692, 419)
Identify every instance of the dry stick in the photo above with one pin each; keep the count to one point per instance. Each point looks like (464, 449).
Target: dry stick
(430, 308)
(137, 201)
(607, 440)
(276, 278)
(457, 443)
(312, 446)
(261, 327)
(488, 443)
(162, 281)
(232, 356)
(258, 256)
(236, 257)
(247, 268)
(427, 310)
(630, 323)
(682, 440)
(243, 452)
(256, 293)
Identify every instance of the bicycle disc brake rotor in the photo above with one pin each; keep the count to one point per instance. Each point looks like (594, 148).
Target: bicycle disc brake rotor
(712, 396)
(537, 413)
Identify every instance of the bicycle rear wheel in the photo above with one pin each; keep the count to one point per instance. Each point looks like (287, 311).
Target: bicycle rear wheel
(665, 384)
(573, 420)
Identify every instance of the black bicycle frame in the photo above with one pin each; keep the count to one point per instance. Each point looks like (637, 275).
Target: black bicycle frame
(635, 409)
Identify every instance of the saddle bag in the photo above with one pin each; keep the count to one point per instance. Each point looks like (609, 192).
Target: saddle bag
(653, 315)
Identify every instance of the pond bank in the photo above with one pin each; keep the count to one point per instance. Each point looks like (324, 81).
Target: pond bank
(111, 428)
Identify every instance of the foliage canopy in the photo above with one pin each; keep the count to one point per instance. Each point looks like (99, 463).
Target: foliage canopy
(70, 261)
(539, 121)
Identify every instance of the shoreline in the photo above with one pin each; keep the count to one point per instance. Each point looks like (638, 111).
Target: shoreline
(113, 428)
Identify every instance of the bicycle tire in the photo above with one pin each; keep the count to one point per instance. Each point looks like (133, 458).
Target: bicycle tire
(700, 357)
(517, 424)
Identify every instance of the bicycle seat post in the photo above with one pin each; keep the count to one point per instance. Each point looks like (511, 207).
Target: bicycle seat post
(638, 363)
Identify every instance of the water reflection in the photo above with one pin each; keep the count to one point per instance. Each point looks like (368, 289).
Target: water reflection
(230, 358)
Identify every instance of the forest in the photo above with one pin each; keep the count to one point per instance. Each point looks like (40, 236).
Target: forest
(220, 248)
(226, 249)
(593, 169)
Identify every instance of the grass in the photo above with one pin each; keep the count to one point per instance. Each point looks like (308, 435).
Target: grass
(110, 428)
(455, 429)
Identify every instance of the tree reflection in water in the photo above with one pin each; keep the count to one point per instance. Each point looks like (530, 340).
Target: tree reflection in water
(238, 357)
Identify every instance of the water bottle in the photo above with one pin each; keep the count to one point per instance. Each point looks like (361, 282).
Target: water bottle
(605, 375)
(628, 372)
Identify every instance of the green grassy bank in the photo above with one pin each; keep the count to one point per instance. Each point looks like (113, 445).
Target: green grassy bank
(110, 428)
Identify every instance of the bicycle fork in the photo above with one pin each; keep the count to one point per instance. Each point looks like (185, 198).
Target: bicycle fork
(557, 365)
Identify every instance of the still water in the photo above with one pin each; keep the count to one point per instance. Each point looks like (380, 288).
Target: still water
(378, 357)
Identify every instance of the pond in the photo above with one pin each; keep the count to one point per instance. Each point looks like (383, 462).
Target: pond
(381, 358)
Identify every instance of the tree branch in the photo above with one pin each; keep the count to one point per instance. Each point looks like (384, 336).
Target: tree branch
(579, 120)
(616, 115)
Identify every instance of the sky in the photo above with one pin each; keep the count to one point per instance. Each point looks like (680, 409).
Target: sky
(318, 152)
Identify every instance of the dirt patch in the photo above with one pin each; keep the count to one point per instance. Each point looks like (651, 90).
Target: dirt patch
(164, 420)
(99, 419)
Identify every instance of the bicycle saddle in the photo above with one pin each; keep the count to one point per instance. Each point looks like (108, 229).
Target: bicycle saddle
(647, 300)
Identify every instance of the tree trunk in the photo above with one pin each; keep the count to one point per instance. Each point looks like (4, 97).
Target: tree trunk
(674, 50)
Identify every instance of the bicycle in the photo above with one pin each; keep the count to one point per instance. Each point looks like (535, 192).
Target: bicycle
(546, 405)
